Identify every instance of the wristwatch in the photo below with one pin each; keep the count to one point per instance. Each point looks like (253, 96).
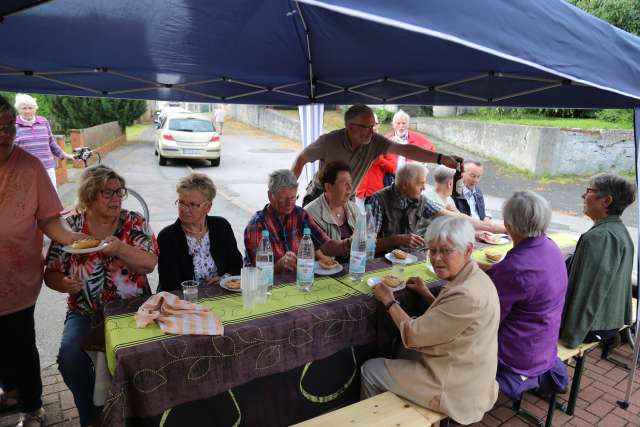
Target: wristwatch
(439, 159)
(390, 304)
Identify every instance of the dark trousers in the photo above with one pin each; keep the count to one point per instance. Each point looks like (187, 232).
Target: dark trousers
(19, 358)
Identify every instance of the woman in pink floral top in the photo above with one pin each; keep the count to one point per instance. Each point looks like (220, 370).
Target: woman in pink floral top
(118, 271)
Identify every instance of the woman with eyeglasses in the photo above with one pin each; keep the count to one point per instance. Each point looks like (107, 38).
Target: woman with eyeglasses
(118, 271)
(450, 353)
(197, 246)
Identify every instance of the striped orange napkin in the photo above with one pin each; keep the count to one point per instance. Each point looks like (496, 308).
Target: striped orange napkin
(177, 316)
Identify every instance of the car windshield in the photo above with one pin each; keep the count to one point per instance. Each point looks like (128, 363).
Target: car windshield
(191, 125)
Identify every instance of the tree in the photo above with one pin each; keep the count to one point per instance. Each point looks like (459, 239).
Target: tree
(77, 113)
(624, 14)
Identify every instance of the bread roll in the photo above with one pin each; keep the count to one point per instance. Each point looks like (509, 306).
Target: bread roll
(85, 244)
(232, 284)
(391, 281)
(494, 256)
(328, 264)
(399, 254)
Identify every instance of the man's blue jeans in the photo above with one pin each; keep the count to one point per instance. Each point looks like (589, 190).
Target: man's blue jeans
(76, 366)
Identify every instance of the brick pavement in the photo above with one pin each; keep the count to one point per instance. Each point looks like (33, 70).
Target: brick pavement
(603, 383)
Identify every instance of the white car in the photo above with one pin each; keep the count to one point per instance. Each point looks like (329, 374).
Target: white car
(187, 136)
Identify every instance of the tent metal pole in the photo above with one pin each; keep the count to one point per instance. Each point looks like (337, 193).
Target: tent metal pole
(205, 95)
(527, 92)
(312, 92)
(634, 362)
(462, 95)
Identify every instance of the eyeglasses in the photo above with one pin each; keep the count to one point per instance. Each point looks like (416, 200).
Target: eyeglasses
(367, 127)
(592, 190)
(288, 199)
(120, 192)
(182, 205)
(445, 252)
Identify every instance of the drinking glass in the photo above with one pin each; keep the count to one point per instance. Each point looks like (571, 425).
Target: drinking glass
(190, 291)
(250, 284)
(398, 270)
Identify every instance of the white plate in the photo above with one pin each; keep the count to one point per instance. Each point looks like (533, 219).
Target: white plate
(409, 260)
(71, 250)
(503, 239)
(373, 281)
(223, 283)
(324, 272)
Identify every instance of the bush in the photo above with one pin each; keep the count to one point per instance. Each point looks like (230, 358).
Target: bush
(615, 116)
(78, 113)
(384, 116)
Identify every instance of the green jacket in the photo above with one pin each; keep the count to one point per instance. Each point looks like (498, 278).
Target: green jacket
(599, 292)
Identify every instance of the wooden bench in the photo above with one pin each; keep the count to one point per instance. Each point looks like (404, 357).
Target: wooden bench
(565, 353)
(383, 410)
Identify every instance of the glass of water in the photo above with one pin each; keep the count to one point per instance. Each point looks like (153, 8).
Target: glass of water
(250, 285)
(190, 291)
(398, 270)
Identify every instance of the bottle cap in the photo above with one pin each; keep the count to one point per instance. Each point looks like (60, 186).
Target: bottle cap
(265, 233)
(368, 206)
(306, 231)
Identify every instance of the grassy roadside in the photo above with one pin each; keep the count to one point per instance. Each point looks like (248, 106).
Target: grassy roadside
(552, 122)
(134, 131)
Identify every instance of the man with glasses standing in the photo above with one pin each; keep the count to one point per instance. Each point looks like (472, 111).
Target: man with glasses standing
(598, 301)
(285, 222)
(358, 146)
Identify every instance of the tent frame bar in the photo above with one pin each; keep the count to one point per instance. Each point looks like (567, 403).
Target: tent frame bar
(445, 88)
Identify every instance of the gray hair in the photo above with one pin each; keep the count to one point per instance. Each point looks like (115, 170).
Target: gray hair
(197, 182)
(24, 99)
(456, 229)
(473, 162)
(443, 174)
(409, 173)
(281, 179)
(527, 213)
(622, 191)
(356, 111)
(400, 115)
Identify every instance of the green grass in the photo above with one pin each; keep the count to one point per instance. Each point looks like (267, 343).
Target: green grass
(135, 130)
(555, 122)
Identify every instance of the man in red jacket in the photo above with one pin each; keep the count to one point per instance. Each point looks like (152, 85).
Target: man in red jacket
(387, 164)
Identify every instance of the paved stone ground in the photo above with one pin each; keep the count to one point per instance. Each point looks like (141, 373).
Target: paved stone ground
(603, 383)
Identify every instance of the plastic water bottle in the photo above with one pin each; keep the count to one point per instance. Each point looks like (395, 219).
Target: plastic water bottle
(358, 257)
(306, 259)
(371, 234)
(264, 261)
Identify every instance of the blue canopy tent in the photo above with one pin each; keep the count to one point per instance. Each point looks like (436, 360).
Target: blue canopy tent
(286, 52)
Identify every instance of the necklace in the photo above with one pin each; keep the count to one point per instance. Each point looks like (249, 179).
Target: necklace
(195, 233)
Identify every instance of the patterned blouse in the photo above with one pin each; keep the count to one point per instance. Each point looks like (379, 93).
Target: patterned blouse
(106, 278)
(203, 265)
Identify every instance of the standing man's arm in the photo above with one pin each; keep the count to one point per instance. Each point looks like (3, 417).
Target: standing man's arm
(414, 152)
(299, 163)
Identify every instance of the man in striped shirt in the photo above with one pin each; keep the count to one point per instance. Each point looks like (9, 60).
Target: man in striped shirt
(33, 134)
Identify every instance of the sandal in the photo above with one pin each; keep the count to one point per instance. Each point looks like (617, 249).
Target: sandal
(8, 401)
(33, 419)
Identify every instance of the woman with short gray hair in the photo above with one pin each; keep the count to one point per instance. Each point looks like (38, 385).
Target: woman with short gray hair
(450, 356)
(197, 246)
(531, 282)
(33, 134)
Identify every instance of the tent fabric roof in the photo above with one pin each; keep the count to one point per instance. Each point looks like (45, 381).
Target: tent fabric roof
(438, 52)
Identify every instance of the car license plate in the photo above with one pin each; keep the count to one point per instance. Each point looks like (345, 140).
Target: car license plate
(187, 151)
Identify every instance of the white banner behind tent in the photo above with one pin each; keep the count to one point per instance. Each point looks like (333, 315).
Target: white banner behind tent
(311, 124)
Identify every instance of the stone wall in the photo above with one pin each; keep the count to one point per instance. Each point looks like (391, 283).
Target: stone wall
(541, 150)
(265, 118)
(101, 138)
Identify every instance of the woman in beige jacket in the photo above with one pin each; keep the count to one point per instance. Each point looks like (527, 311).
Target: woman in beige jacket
(452, 365)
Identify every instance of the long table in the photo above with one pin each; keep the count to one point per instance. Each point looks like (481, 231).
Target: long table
(292, 358)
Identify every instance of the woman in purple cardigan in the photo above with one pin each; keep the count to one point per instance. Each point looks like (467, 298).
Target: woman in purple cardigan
(531, 282)
(33, 134)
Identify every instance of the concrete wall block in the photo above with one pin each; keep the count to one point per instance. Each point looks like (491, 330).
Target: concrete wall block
(265, 118)
(540, 150)
(101, 134)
